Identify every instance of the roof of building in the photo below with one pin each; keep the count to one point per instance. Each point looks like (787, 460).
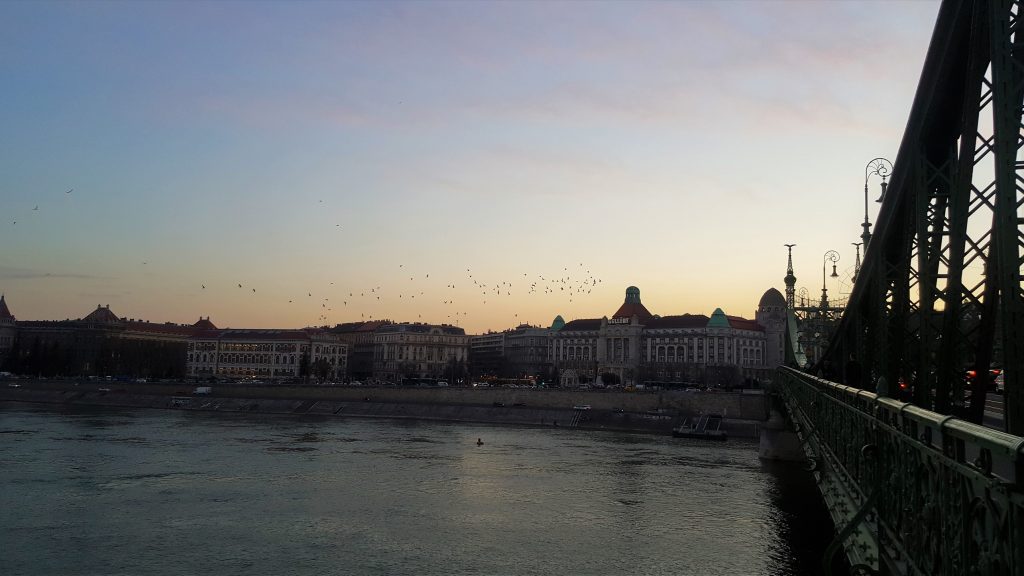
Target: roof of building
(247, 334)
(718, 319)
(5, 314)
(682, 321)
(632, 306)
(423, 328)
(204, 324)
(102, 315)
(167, 328)
(772, 297)
(558, 323)
(584, 324)
(350, 327)
(740, 323)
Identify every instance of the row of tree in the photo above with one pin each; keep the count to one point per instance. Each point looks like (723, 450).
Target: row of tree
(97, 357)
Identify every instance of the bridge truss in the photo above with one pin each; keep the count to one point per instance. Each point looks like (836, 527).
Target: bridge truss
(939, 292)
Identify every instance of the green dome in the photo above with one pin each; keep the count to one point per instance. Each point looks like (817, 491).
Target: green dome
(558, 324)
(718, 319)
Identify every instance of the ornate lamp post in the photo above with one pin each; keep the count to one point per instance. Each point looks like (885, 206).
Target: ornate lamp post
(830, 256)
(879, 167)
(856, 263)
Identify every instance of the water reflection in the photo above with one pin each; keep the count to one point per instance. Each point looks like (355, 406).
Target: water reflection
(125, 492)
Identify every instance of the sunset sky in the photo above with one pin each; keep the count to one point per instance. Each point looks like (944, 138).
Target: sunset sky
(312, 150)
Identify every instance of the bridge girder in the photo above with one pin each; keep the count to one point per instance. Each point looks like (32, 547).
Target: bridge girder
(939, 291)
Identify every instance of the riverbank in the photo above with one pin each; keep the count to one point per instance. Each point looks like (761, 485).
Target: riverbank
(645, 413)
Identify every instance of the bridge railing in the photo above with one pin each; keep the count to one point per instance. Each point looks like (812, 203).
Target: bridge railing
(931, 494)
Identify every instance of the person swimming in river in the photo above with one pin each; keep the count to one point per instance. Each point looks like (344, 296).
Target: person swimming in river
(479, 442)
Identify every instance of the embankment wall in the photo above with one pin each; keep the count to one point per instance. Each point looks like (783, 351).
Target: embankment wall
(652, 412)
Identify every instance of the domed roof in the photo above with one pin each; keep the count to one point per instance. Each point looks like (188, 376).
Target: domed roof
(558, 323)
(632, 306)
(718, 319)
(102, 315)
(772, 297)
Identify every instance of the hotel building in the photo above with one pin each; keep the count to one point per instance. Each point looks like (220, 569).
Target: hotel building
(634, 346)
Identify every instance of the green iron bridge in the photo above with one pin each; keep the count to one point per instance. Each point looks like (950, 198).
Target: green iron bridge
(891, 419)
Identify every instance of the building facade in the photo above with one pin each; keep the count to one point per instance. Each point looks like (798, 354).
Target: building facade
(487, 355)
(8, 331)
(414, 350)
(271, 355)
(100, 344)
(520, 352)
(360, 339)
(637, 347)
(528, 349)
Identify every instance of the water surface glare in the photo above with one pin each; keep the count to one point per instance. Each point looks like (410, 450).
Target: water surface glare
(102, 491)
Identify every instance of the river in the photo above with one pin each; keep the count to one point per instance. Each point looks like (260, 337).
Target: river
(138, 492)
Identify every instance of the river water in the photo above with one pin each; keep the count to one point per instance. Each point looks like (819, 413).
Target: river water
(106, 491)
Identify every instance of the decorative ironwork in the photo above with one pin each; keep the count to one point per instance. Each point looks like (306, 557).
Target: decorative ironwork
(939, 291)
(912, 491)
(877, 167)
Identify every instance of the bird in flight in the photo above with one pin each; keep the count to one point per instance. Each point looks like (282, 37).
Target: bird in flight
(204, 286)
(239, 285)
(36, 208)
(69, 191)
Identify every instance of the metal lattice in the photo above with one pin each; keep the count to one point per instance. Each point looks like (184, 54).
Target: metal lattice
(939, 292)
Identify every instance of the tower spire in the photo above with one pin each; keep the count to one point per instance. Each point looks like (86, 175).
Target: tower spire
(790, 280)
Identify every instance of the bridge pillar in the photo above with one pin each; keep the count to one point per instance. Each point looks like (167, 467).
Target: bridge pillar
(778, 439)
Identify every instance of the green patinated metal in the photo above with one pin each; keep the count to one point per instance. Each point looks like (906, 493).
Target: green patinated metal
(718, 319)
(939, 293)
(911, 491)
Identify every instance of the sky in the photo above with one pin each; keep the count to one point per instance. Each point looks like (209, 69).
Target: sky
(483, 164)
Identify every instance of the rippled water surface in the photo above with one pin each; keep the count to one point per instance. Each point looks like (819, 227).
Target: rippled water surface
(152, 492)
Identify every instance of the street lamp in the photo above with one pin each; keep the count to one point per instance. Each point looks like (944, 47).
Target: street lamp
(880, 167)
(856, 263)
(830, 256)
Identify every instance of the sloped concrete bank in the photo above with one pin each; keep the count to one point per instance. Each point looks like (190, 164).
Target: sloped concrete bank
(367, 403)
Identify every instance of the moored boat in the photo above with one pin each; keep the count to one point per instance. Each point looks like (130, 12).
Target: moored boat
(706, 426)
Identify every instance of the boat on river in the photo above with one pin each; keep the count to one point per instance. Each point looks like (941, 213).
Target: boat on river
(706, 426)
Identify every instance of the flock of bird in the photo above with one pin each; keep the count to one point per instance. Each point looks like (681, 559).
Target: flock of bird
(567, 286)
(36, 208)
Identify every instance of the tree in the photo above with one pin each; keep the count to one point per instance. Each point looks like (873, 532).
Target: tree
(304, 366)
(322, 368)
